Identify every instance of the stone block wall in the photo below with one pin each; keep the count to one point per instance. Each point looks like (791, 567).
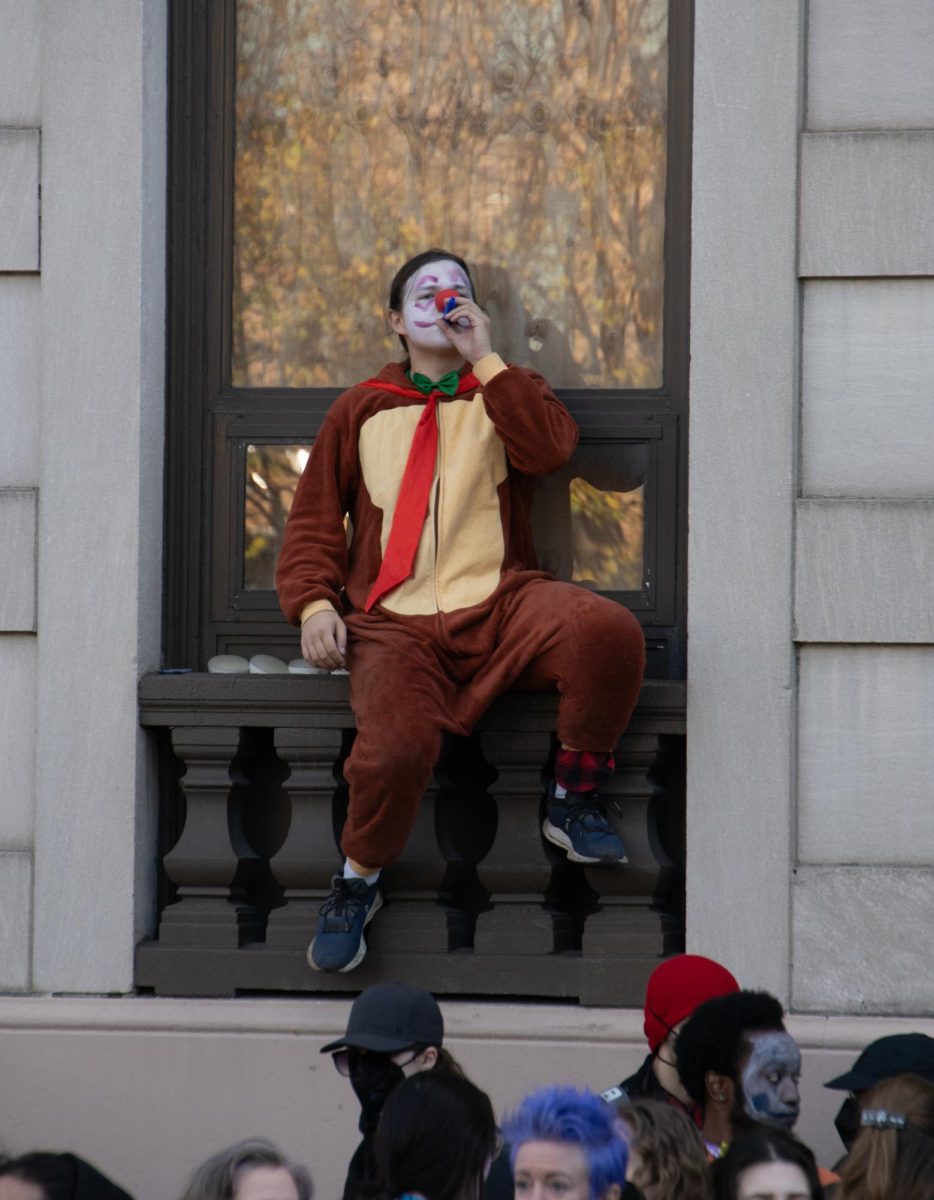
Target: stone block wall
(811, 493)
(863, 890)
(811, 566)
(82, 268)
(20, 118)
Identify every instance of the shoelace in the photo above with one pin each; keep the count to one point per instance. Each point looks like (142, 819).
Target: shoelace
(591, 804)
(344, 902)
(590, 817)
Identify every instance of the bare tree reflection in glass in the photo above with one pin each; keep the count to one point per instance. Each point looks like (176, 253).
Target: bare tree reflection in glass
(530, 134)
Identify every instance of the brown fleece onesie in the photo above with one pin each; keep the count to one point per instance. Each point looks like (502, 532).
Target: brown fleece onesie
(475, 617)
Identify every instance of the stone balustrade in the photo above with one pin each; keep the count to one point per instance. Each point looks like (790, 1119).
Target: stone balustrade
(479, 904)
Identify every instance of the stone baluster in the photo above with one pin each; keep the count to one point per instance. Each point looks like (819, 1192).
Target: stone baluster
(310, 855)
(624, 940)
(212, 863)
(465, 826)
(516, 871)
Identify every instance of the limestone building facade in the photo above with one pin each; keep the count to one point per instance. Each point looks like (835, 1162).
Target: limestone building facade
(810, 572)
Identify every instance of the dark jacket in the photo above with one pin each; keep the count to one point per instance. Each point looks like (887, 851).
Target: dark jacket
(362, 1182)
(644, 1085)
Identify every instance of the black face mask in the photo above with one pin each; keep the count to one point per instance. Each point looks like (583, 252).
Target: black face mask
(372, 1077)
(846, 1122)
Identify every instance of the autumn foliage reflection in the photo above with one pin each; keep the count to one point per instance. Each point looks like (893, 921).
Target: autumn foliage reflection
(587, 534)
(607, 531)
(528, 135)
(272, 474)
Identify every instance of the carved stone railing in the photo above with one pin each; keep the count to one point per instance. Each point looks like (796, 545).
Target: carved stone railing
(479, 903)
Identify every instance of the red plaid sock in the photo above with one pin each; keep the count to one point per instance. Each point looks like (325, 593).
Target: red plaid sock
(581, 770)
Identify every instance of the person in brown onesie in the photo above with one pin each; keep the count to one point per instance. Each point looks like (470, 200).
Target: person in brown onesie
(434, 600)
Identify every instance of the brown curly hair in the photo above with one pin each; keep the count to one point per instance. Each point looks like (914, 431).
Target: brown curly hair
(670, 1151)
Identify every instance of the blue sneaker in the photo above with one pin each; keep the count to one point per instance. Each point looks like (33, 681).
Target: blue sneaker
(339, 944)
(577, 823)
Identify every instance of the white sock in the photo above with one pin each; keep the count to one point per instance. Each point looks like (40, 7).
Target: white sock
(560, 792)
(350, 873)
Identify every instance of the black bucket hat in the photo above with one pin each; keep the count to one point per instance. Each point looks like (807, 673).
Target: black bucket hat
(899, 1054)
(389, 1017)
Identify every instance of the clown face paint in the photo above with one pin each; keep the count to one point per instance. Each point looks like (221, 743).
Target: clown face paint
(417, 320)
(770, 1079)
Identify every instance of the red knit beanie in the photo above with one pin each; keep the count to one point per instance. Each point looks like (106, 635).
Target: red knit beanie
(676, 988)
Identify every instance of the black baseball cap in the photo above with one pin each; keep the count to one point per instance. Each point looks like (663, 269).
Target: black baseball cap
(389, 1017)
(899, 1054)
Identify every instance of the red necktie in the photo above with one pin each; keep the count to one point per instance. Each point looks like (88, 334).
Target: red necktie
(411, 506)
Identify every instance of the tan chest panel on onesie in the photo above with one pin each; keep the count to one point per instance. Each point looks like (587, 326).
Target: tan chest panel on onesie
(461, 549)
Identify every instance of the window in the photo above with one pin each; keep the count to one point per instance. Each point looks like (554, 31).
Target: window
(315, 146)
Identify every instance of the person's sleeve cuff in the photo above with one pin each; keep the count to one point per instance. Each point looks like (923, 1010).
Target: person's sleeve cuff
(316, 606)
(487, 367)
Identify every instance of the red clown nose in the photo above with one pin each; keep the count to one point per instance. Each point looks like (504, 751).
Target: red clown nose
(445, 300)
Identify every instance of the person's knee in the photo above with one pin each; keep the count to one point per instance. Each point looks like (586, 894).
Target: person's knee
(409, 756)
(611, 638)
(396, 755)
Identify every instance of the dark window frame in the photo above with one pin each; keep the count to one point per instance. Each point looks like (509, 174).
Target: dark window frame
(208, 420)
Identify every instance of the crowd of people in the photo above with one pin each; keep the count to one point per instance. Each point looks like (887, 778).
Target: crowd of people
(709, 1115)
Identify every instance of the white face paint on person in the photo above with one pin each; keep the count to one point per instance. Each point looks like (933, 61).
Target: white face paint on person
(418, 318)
(770, 1079)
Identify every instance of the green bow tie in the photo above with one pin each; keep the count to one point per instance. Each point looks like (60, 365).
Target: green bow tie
(447, 383)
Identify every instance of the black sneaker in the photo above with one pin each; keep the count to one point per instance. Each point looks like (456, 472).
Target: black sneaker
(339, 944)
(577, 823)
